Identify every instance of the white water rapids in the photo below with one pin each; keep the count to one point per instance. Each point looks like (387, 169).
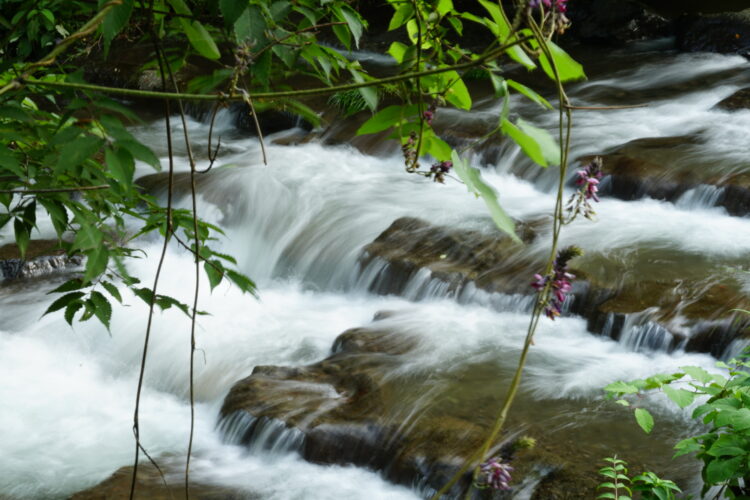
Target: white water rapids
(297, 228)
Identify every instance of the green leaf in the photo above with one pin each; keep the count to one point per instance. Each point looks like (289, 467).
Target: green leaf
(444, 7)
(537, 143)
(63, 301)
(529, 93)
(403, 13)
(397, 50)
(112, 290)
(243, 282)
(352, 19)
(231, 10)
(76, 152)
(681, 397)
(214, 271)
(717, 471)
(71, 310)
(386, 118)
(250, 25)
(729, 444)
(116, 19)
(457, 94)
(121, 166)
(69, 286)
(23, 235)
(740, 419)
(697, 373)
(200, 39)
(644, 419)
(567, 68)
(473, 180)
(141, 152)
(102, 308)
(96, 262)
(344, 35)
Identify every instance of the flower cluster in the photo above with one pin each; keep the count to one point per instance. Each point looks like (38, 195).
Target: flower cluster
(558, 282)
(429, 113)
(558, 20)
(560, 6)
(439, 169)
(495, 474)
(588, 186)
(409, 149)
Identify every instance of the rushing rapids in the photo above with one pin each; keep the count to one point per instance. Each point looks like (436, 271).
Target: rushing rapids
(299, 226)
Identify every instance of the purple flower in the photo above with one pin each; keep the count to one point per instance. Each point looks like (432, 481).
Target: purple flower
(588, 180)
(439, 169)
(428, 116)
(558, 282)
(495, 474)
(556, 5)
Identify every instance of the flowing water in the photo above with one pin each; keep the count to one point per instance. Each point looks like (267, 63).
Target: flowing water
(297, 227)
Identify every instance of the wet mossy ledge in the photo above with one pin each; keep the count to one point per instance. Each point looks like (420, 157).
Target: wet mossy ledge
(666, 312)
(42, 258)
(348, 409)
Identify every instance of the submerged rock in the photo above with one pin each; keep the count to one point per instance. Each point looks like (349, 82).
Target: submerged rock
(149, 484)
(737, 101)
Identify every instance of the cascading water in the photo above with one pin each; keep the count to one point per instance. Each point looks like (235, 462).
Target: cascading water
(298, 227)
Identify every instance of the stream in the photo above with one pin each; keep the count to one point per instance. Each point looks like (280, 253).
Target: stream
(297, 228)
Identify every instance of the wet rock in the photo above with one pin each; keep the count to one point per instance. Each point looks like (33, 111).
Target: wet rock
(149, 484)
(727, 32)
(738, 100)
(43, 257)
(666, 168)
(350, 409)
(614, 22)
(665, 308)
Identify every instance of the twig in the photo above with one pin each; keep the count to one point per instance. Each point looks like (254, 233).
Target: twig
(249, 102)
(152, 302)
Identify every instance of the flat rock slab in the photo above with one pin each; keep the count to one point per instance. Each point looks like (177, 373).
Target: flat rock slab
(149, 484)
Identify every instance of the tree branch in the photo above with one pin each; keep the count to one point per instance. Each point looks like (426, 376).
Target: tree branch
(150, 94)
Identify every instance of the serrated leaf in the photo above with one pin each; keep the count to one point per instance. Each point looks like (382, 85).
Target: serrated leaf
(76, 152)
(71, 310)
(140, 152)
(121, 166)
(69, 286)
(96, 263)
(22, 234)
(644, 419)
(214, 271)
(63, 301)
(112, 290)
(102, 308)
(348, 15)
